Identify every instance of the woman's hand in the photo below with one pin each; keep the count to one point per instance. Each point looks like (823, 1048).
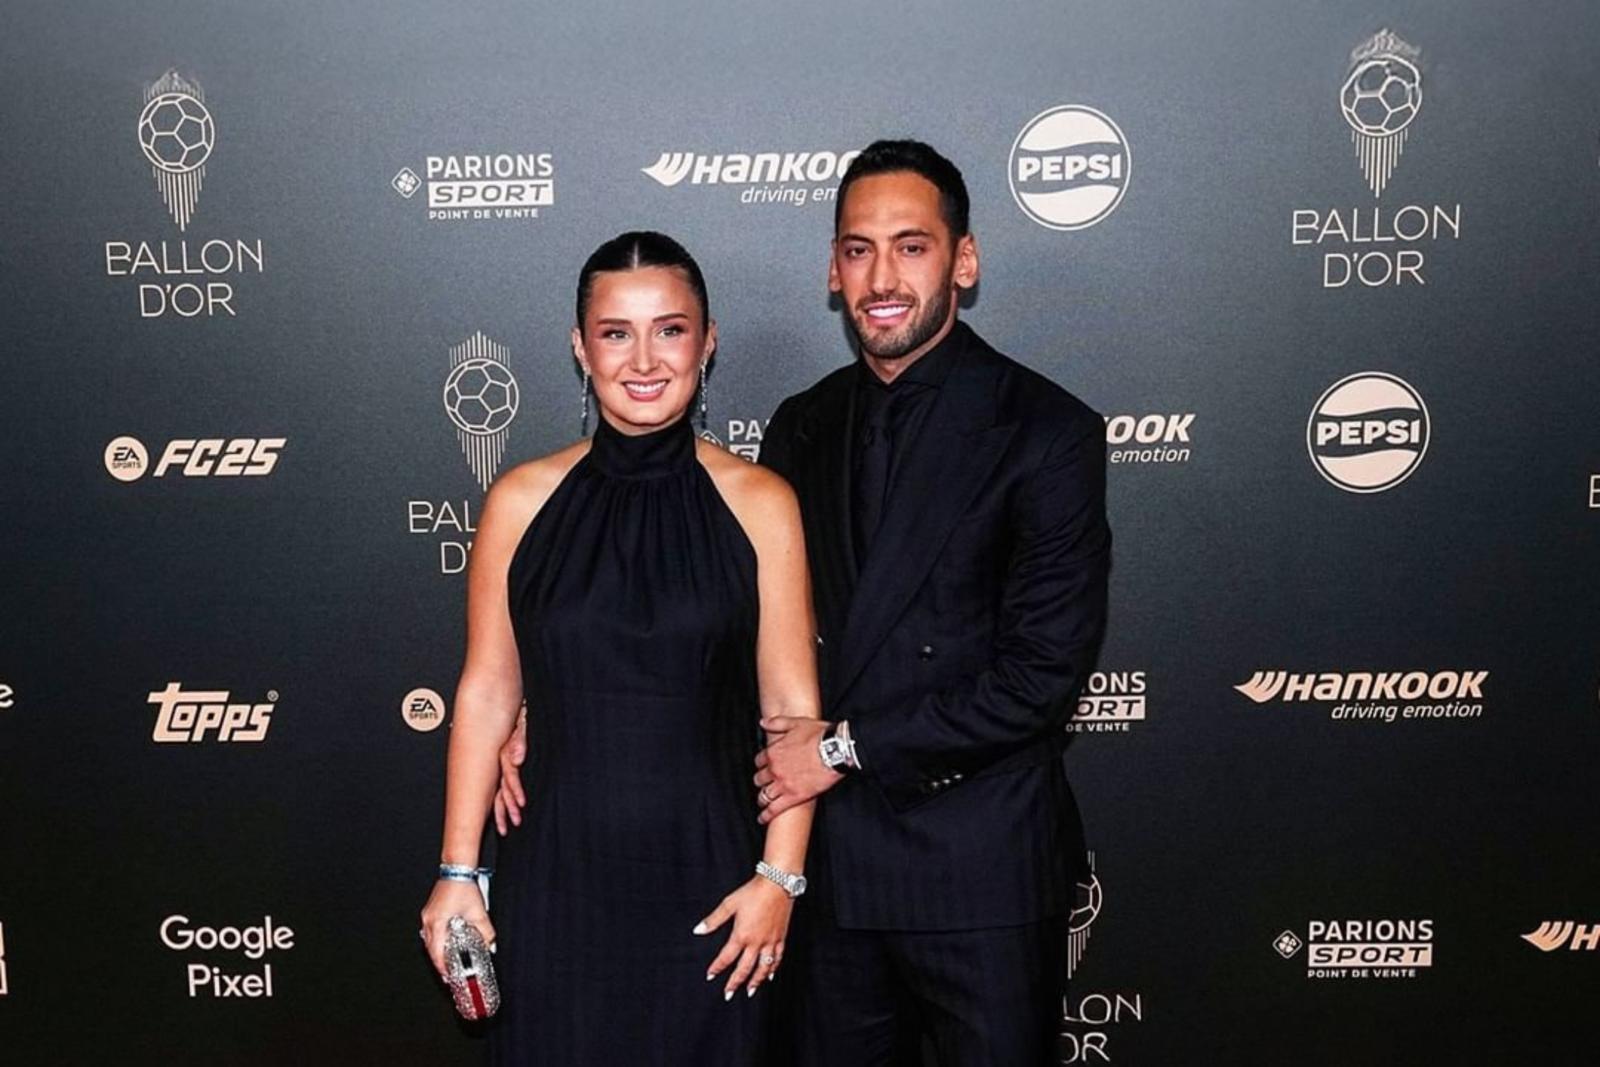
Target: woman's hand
(449, 899)
(760, 912)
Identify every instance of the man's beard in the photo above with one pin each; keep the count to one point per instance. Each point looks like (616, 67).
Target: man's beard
(913, 335)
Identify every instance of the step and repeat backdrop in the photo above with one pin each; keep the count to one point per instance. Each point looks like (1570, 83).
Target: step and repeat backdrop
(286, 285)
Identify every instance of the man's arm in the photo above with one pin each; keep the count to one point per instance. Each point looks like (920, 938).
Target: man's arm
(1052, 615)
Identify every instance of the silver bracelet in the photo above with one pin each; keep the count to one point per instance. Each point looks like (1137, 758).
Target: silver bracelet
(792, 884)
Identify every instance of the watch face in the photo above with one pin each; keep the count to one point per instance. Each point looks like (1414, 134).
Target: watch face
(799, 884)
(833, 752)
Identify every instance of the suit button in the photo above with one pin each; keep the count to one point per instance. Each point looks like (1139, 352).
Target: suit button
(925, 652)
(928, 788)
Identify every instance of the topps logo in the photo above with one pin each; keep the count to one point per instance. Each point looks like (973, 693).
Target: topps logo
(189, 717)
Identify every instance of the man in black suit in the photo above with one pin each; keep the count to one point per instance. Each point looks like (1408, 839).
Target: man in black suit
(954, 511)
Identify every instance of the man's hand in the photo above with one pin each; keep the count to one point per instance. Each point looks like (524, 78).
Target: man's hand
(509, 799)
(790, 770)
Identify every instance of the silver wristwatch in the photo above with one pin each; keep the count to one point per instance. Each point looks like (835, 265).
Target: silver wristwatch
(792, 884)
(838, 749)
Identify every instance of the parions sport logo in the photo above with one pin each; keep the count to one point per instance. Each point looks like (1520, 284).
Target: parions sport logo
(1368, 432)
(793, 178)
(1379, 101)
(1360, 948)
(127, 459)
(1069, 167)
(1111, 702)
(489, 186)
(177, 137)
(195, 716)
(1374, 696)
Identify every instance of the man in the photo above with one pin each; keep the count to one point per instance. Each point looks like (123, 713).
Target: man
(954, 510)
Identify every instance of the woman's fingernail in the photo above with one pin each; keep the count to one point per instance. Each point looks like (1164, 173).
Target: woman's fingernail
(701, 928)
(712, 977)
(750, 992)
(727, 996)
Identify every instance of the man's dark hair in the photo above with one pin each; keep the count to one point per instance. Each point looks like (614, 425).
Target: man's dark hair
(890, 157)
(641, 248)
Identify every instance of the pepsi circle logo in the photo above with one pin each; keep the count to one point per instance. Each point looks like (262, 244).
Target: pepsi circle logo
(1069, 167)
(1368, 432)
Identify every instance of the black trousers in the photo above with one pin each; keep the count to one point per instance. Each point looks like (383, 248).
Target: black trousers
(979, 998)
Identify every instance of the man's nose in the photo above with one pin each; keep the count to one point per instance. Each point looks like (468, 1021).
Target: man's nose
(885, 277)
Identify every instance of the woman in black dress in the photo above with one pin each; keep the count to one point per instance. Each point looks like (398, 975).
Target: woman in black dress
(646, 592)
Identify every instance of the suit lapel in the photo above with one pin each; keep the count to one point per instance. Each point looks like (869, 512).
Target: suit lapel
(956, 452)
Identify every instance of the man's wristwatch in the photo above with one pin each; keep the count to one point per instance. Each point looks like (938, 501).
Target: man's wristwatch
(792, 884)
(838, 749)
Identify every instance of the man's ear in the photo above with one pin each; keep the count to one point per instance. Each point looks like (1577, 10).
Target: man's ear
(966, 267)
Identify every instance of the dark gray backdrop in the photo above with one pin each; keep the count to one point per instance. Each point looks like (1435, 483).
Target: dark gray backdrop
(1219, 823)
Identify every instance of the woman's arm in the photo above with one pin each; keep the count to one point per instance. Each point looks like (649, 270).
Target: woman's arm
(787, 676)
(488, 694)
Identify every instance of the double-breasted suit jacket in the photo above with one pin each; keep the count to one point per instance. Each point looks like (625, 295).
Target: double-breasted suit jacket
(958, 645)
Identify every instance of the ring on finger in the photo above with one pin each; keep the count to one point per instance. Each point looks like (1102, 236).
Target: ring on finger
(766, 960)
(764, 796)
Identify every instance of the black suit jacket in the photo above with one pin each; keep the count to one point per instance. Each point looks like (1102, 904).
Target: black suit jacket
(957, 651)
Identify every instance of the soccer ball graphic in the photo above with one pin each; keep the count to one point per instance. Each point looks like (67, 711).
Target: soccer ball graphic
(1381, 96)
(1086, 908)
(481, 396)
(176, 132)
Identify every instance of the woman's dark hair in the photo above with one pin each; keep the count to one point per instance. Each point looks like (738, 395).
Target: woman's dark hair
(890, 157)
(642, 248)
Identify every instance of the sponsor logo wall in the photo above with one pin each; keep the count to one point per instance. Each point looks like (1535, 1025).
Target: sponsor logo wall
(285, 297)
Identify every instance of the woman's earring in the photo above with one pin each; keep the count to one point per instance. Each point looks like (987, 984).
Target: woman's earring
(583, 419)
(703, 404)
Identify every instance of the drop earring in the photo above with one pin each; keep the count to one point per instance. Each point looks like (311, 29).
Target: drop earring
(583, 417)
(703, 398)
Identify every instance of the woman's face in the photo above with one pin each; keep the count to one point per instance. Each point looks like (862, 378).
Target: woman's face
(642, 344)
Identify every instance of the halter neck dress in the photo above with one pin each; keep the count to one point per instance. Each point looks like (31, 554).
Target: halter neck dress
(633, 600)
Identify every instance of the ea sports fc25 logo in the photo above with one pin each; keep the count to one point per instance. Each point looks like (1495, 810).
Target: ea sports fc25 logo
(127, 459)
(1069, 167)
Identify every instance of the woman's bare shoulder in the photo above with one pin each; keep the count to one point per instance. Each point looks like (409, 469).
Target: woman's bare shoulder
(519, 493)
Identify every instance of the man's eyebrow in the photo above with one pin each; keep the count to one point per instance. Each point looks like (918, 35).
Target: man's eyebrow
(898, 235)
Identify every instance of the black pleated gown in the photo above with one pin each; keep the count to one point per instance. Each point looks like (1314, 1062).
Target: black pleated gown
(633, 599)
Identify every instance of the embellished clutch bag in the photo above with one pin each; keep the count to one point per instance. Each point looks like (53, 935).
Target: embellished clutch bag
(471, 971)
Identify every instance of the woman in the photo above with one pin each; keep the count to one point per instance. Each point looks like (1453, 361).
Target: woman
(640, 588)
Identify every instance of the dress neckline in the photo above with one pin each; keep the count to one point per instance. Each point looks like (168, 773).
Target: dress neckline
(668, 450)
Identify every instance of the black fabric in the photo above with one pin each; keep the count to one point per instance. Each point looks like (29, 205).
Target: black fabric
(633, 599)
(874, 455)
(979, 998)
(957, 647)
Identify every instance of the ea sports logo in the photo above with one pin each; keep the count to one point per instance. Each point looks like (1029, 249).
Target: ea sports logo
(481, 396)
(126, 459)
(1368, 432)
(1381, 96)
(176, 132)
(1069, 167)
(423, 710)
